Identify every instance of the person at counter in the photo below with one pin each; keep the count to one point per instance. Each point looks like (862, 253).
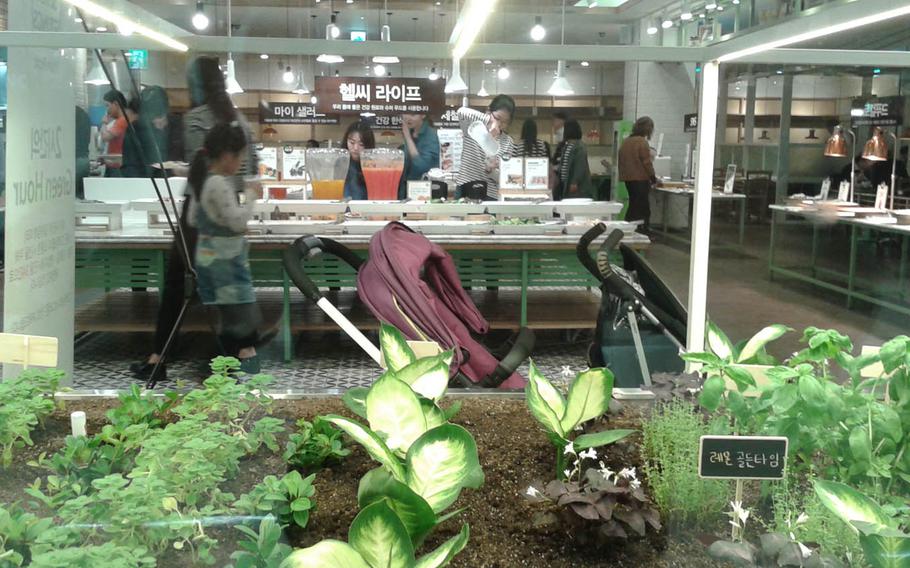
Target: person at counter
(421, 149)
(559, 127)
(636, 169)
(574, 172)
(358, 137)
(138, 144)
(220, 215)
(531, 146)
(476, 166)
(113, 129)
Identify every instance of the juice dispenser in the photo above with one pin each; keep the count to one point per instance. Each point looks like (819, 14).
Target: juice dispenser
(327, 168)
(382, 168)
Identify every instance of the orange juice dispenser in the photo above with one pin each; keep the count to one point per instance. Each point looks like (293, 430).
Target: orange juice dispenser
(326, 169)
(382, 168)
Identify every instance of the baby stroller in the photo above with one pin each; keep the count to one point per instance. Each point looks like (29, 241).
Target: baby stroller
(411, 283)
(641, 326)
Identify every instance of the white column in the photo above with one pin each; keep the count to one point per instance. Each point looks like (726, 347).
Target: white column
(701, 216)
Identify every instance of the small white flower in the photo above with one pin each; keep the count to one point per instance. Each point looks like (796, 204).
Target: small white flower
(742, 515)
(635, 484)
(589, 454)
(802, 518)
(805, 550)
(627, 473)
(566, 371)
(578, 428)
(532, 491)
(606, 472)
(567, 473)
(570, 449)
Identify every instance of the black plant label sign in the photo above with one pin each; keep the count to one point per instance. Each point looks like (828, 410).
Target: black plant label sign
(742, 457)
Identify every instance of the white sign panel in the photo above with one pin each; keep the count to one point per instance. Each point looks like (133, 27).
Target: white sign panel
(268, 161)
(419, 190)
(511, 174)
(537, 173)
(39, 279)
(451, 141)
(293, 162)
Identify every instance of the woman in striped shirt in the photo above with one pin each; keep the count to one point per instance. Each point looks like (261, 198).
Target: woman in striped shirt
(531, 146)
(476, 166)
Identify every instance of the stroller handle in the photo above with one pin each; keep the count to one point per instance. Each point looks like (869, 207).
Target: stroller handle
(584, 254)
(311, 246)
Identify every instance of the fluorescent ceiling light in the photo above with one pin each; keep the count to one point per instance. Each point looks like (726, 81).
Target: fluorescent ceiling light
(685, 16)
(666, 24)
(385, 59)
(230, 82)
(652, 29)
(710, 5)
(560, 86)
(325, 58)
(98, 11)
(456, 84)
(817, 33)
(471, 20)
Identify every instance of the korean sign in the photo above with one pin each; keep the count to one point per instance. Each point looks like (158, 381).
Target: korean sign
(447, 119)
(881, 111)
(293, 113)
(380, 95)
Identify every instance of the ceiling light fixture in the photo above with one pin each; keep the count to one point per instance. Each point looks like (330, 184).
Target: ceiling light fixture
(720, 8)
(101, 29)
(126, 29)
(652, 28)
(379, 70)
(326, 58)
(288, 75)
(456, 84)
(487, 62)
(385, 35)
(483, 89)
(560, 86)
(263, 56)
(666, 24)
(503, 72)
(433, 74)
(538, 32)
(685, 16)
(301, 88)
(711, 6)
(96, 76)
(332, 31)
(817, 33)
(736, 2)
(470, 22)
(200, 20)
(585, 64)
(313, 99)
(98, 11)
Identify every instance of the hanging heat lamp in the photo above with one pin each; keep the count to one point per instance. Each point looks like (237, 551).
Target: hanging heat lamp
(876, 148)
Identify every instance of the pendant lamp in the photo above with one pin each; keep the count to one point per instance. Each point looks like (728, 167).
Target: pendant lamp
(483, 89)
(876, 148)
(96, 76)
(836, 146)
(455, 84)
(385, 35)
(561, 86)
(230, 82)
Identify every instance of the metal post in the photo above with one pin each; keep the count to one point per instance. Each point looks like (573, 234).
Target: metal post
(701, 219)
(783, 154)
(893, 166)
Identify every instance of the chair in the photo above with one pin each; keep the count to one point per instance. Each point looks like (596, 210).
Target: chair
(759, 195)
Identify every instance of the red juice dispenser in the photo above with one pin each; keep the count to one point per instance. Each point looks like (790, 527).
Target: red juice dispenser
(382, 169)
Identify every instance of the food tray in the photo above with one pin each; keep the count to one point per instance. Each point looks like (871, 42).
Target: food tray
(534, 229)
(449, 227)
(396, 208)
(293, 227)
(527, 209)
(590, 210)
(300, 208)
(453, 209)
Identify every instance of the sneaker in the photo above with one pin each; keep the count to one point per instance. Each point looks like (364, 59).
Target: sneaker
(251, 365)
(143, 371)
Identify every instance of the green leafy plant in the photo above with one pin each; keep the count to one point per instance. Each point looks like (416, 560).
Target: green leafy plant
(589, 397)
(19, 531)
(602, 506)
(669, 450)
(289, 499)
(377, 539)
(137, 407)
(314, 444)
(223, 399)
(108, 555)
(884, 544)
(26, 401)
(261, 549)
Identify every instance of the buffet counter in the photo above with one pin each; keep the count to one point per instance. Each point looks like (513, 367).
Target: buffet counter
(537, 255)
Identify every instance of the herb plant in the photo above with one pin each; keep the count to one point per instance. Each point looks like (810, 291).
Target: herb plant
(669, 451)
(314, 444)
(108, 555)
(288, 499)
(27, 400)
(589, 397)
(261, 549)
(19, 531)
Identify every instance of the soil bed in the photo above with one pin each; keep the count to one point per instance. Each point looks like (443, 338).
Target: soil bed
(514, 453)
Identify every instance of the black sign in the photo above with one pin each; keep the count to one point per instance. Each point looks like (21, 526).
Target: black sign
(293, 113)
(690, 123)
(879, 111)
(742, 457)
(380, 95)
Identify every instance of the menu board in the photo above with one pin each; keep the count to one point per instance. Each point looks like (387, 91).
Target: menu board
(524, 173)
(293, 162)
(382, 95)
(537, 173)
(451, 141)
(293, 113)
(268, 161)
(880, 111)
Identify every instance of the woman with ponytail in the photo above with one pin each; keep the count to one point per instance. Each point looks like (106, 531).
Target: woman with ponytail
(220, 214)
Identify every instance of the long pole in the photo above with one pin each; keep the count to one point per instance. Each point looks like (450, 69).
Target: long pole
(701, 217)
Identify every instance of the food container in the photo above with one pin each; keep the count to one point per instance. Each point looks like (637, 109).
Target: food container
(394, 209)
(571, 209)
(479, 132)
(382, 168)
(293, 227)
(452, 209)
(299, 208)
(327, 168)
(527, 209)
(528, 229)
(575, 228)
(449, 227)
(902, 215)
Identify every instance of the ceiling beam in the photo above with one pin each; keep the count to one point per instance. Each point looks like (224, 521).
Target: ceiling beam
(830, 57)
